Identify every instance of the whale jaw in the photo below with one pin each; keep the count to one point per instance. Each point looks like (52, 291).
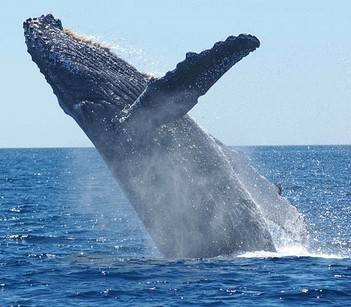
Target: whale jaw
(76, 72)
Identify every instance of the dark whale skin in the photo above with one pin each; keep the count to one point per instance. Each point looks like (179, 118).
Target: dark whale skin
(181, 181)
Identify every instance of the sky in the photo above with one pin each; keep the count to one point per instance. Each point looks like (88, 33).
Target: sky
(294, 90)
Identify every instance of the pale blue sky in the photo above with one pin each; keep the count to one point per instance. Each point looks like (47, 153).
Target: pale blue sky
(295, 89)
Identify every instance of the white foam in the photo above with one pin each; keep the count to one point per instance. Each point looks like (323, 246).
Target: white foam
(290, 251)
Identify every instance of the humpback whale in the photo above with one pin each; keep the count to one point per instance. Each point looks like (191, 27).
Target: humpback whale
(195, 196)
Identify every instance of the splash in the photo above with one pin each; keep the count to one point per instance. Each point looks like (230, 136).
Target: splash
(136, 56)
(324, 238)
(124, 49)
(283, 220)
(291, 251)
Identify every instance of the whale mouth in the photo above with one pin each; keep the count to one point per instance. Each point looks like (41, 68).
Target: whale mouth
(40, 36)
(78, 70)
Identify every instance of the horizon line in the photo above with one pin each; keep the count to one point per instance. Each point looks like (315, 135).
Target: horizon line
(248, 145)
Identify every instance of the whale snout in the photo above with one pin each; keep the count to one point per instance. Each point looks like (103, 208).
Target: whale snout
(39, 35)
(32, 24)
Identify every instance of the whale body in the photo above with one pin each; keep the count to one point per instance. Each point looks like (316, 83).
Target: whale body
(193, 194)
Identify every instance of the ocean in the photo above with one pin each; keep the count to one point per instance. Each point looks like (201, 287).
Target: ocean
(69, 237)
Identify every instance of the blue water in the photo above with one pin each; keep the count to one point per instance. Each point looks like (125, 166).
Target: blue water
(68, 237)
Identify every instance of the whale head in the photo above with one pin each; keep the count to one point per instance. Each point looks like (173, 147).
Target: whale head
(80, 72)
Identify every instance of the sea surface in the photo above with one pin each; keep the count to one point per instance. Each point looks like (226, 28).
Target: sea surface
(69, 237)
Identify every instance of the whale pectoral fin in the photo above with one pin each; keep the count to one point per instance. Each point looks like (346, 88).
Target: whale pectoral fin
(177, 92)
(199, 72)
